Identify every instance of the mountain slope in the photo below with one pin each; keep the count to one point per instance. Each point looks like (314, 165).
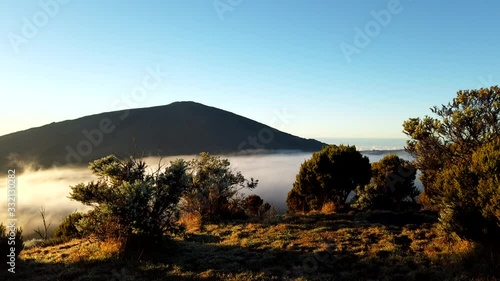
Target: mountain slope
(176, 129)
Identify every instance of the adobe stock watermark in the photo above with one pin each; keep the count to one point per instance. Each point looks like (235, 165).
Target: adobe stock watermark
(94, 137)
(223, 6)
(364, 36)
(265, 135)
(12, 221)
(31, 26)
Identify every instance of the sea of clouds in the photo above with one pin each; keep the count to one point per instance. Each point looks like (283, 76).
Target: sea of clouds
(50, 188)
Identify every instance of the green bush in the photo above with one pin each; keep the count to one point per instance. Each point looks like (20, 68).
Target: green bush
(458, 154)
(102, 224)
(214, 189)
(130, 199)
(68, 230)
(471, 205)
(329, 176)
(392, 183)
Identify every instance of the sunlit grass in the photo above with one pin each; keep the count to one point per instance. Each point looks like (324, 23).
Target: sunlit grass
(317, 247)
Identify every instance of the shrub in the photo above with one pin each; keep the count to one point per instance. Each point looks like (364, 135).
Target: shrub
(329, 176)
(252, 204)
(214, 189)
(471, 205)
(131, 200)
(392, 183)
(102, 224)
(297, 203)
(328, 208)
(67, 230)
(191, 221)
(458, 154)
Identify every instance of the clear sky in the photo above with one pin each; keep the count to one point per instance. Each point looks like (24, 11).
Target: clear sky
(301, 66)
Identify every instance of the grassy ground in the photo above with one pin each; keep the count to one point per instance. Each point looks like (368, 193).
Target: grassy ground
(379, 246)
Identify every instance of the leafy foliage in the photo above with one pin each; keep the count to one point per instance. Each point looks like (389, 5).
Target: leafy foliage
(141, 203)
(392, 182)
(329, 176)
(471, 120)
(68, 230)
(471, 205)
(458, 154)
(103, 225)
(213, 192)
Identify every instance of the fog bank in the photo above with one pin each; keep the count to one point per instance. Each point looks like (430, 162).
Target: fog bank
(50, 188)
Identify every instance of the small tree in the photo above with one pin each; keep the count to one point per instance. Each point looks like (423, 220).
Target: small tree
(457, 153)
(329, 176)
(392, 182)
(43, 233)
(143, 204)
(462, 126)
(214, 188)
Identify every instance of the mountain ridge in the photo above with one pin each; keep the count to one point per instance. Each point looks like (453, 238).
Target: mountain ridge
(179, 128)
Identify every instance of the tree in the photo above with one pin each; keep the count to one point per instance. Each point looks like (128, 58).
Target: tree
(392, 182)
(329, 176)
(458, 154)
(144, 204)
(461, 127)
(214, 187)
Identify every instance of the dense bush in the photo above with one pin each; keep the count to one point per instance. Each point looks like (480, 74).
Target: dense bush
(214, 189)
(458, 154)
(471, 204)
(68, 230)
(102, 224)
(134, 201)
(297, 203)
(255, 206)
(329, 176)
(392, 183)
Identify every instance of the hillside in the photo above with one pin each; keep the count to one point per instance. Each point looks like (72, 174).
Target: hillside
(180, 128)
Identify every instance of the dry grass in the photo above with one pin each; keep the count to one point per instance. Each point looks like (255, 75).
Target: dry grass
(315, 247)
(74, 251)
(192, 222)
(328, 208)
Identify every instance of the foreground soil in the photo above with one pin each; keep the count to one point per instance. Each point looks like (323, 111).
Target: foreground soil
(374, 246)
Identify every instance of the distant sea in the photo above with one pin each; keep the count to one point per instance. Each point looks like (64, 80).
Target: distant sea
(368, 144)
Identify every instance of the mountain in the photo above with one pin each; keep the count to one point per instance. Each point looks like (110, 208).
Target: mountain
(180, 128)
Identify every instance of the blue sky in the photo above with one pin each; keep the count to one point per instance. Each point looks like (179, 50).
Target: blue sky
(278, 62)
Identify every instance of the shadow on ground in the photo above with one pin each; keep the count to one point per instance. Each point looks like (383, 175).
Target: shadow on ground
(204, 256)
